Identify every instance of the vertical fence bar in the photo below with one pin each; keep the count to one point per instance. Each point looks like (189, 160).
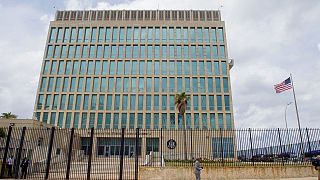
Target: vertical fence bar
(137, 154)
(49, 153)
(280, 147)
(4, 159)
(17, 162)
(251, 147)
(90, 154)
(121, 153)
(69, 154)
(191, 148)
(161, 140)
(309, 146)
(221, 147)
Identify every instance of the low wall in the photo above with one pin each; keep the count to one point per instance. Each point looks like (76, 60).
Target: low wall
(185, 173)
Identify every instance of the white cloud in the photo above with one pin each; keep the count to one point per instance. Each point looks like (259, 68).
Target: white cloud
(267, 39)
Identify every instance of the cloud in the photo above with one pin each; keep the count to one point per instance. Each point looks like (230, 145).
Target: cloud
(268, 40)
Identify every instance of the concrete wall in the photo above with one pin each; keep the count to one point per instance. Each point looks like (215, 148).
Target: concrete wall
(185, 173)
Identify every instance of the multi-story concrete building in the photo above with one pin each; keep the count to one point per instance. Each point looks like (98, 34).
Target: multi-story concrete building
(122, 69)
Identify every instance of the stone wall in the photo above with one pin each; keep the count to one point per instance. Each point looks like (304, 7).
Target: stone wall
(185, 173)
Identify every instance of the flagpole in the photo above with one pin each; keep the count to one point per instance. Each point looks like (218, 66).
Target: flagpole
(297, 113)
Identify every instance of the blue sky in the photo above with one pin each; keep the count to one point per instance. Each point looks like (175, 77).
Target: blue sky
(267, 39)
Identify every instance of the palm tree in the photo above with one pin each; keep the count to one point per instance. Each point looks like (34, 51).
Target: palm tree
(8, 116)
(181, 102)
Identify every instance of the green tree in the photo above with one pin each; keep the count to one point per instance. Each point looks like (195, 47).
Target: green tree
(2, 133)
(181, 102)
(8, 115)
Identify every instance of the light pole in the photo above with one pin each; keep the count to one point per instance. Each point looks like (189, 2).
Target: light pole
(285, 120)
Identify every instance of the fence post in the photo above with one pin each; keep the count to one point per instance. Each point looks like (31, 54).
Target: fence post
(191, 144)
(121, 154)
(49, 153)
(136, 167)
(90, 153)
(4, 159)
(308, 140)
(221, 147)
(161, 148)
(70, 153)
(280, 147)
(17, 162)
(251, 147)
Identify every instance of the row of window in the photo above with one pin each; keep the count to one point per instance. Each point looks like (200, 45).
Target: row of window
(141, 84)
(132, 102)
(136, 34)
(139, 120)
(149, 67)
(136, 51)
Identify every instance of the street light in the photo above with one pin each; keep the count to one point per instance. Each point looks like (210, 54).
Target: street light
(285, 120)
(285, 114)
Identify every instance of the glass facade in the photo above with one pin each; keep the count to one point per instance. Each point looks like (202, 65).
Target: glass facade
(126, 77)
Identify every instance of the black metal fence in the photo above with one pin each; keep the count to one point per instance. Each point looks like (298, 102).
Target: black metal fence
(117, 153)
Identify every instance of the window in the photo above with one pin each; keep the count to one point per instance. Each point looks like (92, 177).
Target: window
(179, 84)
(131, 120)
(73, 35)
(164, 102)
(84, 51)
(117, 102)
(149, 84)
(148, 102)
(40, 101)
(80, 84)
(213, 35)
(171, 51)
(164, 52)
(171, 84)
(156, 121)
(121, 55)
(225, 85)
(64, 52)
(208, 53)
(80, 35)
(157, 35)
(224, 68)
(187, 84)
(109, 102)
(122, 37)
(172, 121)
(178, 34)
(219, 102)
(141, 84)
(87, 34)
(148, 121)
(68, 68)
(204, 120)
(172, 105)
(106, 53)
(195, 102)
(128, 52)
(216, 68)
(188, 120)
(164, 120)
(132, 102)
(60, 119)
(194, 84)
(110, 84)
(92, 52)
(114, 51)
(193, 52)
(192, 35)
(78, 102)
(46, 67)
(119, 67)
(136, 34)
(76, 120)
(94, 35)
(164, 67)
(58, 84)
(115, 34)
(55, 101)
(88, 84)
(100, 35)
(178, 52)
(202, 85)
(99, 52)
(101, 102)
(123, 120)
(129, 35)
(86, 102)
(59, 35)
(203, 102)
(99, 122)
(164, 34)
(210, 85)
(135, 51)
(126, 85)
(156, 102)
(124, 102)
(228, 121)
(150, 52)
(43, 84)
(227, 102)
(105, 69)
(143, 35)
(90, 67)
(196, 121)
(199, 33)
(52, 35)
(220, 35)
(149, 67)
(140, 102)
(108, 34)
(215, 52)
(206, 35)
(150, 34)
(140, 120)
(226, 146)
(134, 84)
(222, 53)
(112, 67)
(95, 84)
(218, 84)
(78, 51)
(118, 84)
(186, 52)
(57, 50)
(115, 120)
(48, 101)
(212, 121)
(94, 102)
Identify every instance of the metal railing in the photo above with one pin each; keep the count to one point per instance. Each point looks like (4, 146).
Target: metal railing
(118, 153)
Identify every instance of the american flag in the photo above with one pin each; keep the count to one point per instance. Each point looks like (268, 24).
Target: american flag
(283, 86)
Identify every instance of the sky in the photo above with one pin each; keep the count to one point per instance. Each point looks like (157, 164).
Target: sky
(268, 40)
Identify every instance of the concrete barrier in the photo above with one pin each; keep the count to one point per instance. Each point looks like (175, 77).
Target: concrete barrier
(185, 173)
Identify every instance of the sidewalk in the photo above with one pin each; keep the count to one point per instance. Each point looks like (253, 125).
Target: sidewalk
(305, 178)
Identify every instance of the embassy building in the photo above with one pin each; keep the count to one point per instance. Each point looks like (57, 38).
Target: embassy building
(117, 69)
